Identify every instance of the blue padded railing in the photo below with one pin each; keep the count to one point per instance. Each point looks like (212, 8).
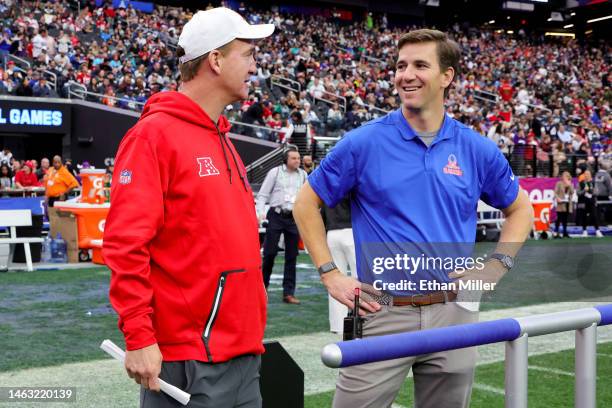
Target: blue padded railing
(371, 349)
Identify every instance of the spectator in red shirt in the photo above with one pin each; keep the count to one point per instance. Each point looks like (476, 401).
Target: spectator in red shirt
(506, 113)
(506, 91)
(275, 121)
(26, 177)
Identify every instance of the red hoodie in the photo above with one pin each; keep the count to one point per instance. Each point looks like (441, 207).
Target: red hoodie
(181, 238)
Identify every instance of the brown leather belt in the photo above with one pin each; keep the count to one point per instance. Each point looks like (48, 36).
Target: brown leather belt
(425, 300)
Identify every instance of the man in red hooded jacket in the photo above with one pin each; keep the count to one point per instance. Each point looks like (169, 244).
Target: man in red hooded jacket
(181, 237)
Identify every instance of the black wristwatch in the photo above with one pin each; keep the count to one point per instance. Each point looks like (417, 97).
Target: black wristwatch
(327, 267)
(506, 260)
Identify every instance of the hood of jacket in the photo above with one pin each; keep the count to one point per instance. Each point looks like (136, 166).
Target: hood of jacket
(183, 108)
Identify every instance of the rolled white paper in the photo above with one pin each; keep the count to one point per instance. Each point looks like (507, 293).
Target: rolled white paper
(118, 354)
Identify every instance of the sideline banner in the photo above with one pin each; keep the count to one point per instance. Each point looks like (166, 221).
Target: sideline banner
(539, 188)
(34, 204)
(542, 189)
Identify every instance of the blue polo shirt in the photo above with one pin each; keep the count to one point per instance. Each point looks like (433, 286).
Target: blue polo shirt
(404, 193)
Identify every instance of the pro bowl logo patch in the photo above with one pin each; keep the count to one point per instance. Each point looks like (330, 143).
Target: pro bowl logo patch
(452, 167)
(125, 177)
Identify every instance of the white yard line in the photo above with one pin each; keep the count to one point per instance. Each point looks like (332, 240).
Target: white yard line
(279, 289)
(489, 388)
(551, 370)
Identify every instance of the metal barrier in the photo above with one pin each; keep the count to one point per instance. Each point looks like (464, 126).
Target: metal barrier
(347, 67)
(486, 96)
(369, 58)
(76, 89)
(131, 104)
(276, 80)
(341, 100)
(255, 131)
(541, 107)
(158, 34)
(80, 91)
(530, 161)
(374, 108)
(51, 78)
(18, 61)
(321, 146)
(24, 65)
(515, 332)
(257, 171)
(523, 160)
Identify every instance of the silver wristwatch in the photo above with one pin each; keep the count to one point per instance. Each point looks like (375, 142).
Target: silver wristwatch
(327, 267)
(506, 260)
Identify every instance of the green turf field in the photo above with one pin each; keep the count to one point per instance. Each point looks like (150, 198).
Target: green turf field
(52, 322)
(554, 388)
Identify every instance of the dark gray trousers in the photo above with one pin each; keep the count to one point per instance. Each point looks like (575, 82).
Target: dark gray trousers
(232, 384)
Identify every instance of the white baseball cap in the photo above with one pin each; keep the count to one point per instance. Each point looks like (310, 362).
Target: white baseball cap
(213, 28)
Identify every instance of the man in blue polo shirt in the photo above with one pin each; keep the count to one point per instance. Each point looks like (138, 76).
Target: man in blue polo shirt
(414, 177)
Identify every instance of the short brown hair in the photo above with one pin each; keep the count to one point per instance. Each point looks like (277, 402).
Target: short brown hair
(449, 52)
(190, 68)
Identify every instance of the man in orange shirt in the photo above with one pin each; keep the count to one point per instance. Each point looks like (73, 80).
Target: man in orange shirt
(58, 182)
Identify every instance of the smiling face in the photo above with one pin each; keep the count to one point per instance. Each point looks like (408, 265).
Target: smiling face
(293, 160)
(419, 79)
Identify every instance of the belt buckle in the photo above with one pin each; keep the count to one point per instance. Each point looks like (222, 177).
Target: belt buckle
(278, 210)
(412, 301)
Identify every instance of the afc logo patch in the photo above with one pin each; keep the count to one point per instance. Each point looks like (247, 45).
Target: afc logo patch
(207, 168)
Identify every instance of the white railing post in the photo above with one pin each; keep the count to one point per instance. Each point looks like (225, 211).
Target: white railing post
(516, 372)
(586, 367)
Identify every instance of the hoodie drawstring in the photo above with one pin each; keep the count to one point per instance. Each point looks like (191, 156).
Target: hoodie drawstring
(236, 163)
(227, 164)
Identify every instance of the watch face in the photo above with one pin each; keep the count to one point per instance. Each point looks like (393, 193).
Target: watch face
(508, 262)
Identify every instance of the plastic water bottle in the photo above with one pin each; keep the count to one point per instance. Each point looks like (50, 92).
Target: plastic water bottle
(59, 253)
(53, 247)
(45, 255)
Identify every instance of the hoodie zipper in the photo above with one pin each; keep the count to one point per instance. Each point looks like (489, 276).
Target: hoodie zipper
(214, 310)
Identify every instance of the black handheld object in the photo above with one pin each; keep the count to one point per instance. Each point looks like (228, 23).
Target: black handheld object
(353, 323)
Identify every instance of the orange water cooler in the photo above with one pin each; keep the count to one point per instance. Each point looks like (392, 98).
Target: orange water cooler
(91, 219)
(541, 216)
(92, 186)
(91, 211)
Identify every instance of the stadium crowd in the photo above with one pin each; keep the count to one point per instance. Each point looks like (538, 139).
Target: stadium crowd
(18, 176)
(519, 89)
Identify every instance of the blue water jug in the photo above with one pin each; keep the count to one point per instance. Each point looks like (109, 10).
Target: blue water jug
(45, 255)
(59, 253)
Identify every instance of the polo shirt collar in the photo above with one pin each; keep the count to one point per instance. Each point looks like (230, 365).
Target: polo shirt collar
(286, 169)
(408, 133)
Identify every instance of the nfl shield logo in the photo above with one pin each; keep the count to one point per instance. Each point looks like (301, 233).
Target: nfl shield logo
(125, 177)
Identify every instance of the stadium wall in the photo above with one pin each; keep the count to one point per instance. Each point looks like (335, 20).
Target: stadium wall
(91, 131)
